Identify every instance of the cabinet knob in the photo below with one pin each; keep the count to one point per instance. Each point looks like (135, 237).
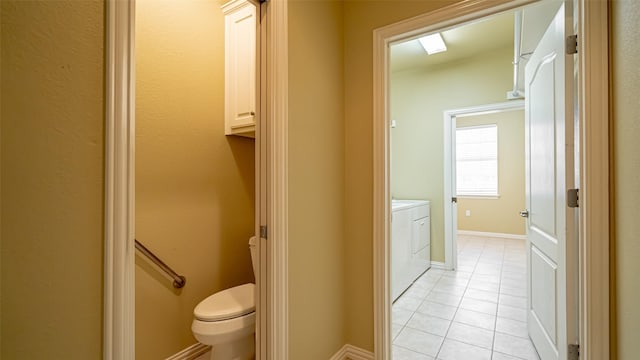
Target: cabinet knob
(252, 113)
(422, 223)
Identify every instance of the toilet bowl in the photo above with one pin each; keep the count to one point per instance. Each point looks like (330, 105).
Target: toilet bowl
(226, 320)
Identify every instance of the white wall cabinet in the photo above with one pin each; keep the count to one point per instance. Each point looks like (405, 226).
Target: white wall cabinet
(241, 67)
(410, 243)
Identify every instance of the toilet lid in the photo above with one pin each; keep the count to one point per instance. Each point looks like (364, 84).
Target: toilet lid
(227, 304)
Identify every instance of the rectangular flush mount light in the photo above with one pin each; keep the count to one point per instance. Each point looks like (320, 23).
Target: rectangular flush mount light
(433, 43)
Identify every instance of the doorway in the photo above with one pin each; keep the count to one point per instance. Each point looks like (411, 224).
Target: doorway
(119, 314)
(493, 184)
(195, 186)
(433, 103)
(384, 37)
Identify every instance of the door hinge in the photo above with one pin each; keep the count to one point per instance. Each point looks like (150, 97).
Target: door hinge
(263, 231)
(454, 199)
(572, 44)
(573, 198)
(573, 352)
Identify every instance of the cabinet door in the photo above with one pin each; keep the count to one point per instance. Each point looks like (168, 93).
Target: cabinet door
(420, 237)
(240, 69)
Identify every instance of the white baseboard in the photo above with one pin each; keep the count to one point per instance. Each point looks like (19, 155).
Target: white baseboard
(191, 353)
(491, 234)
(350, 352)
(437, 265)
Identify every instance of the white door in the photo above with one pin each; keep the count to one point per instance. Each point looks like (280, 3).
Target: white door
(550, 226)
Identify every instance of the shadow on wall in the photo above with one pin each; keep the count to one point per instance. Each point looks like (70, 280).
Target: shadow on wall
(243, 151)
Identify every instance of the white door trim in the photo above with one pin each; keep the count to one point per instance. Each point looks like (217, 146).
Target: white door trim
(593, 90)
(277, 69)
(119, 256)
(450, 246)
(594, 227)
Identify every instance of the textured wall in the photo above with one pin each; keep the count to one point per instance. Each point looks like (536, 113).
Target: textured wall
(626, 131)
(52, 179)
(194, 185)
(316, 180)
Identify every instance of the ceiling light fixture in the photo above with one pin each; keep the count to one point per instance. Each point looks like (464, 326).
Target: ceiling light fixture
(433, 43)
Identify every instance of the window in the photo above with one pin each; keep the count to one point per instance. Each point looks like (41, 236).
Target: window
(477, 160)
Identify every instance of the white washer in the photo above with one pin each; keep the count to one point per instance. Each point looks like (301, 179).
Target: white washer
(410, 243)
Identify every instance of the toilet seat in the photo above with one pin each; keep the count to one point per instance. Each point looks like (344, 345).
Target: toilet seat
(227, 304)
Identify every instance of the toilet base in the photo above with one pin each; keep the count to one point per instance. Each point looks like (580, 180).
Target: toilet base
(242, 349)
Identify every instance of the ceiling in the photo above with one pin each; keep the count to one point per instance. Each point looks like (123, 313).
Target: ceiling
(462, 42)
(484, 35)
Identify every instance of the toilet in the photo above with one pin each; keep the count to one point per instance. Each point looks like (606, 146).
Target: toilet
(226, 320)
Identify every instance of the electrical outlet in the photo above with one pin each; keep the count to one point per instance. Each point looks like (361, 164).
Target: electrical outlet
(467, 213)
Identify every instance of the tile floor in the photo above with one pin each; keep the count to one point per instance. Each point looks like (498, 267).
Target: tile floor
(474, 313)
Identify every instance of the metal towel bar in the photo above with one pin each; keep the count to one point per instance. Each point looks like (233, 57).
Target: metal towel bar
(178, 280)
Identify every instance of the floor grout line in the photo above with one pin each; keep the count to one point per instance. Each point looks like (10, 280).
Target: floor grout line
(444, 338)
(495, 325)
(492, 254)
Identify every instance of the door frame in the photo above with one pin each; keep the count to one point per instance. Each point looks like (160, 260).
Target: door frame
(593, 122)
(119, 218)
(450, 116)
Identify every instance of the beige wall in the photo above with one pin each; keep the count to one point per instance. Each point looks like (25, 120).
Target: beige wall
(1, 186)
(52, 208)
(52, 179)
(316, 180)
(418, 100)
(499, 215)
(194, 185)
(626, 132)
(360, 19)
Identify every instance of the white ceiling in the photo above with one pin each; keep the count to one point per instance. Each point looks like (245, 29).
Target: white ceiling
(462, 42)
(485, 35)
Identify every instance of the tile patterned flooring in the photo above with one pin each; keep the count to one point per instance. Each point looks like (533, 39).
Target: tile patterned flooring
(474, 313)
